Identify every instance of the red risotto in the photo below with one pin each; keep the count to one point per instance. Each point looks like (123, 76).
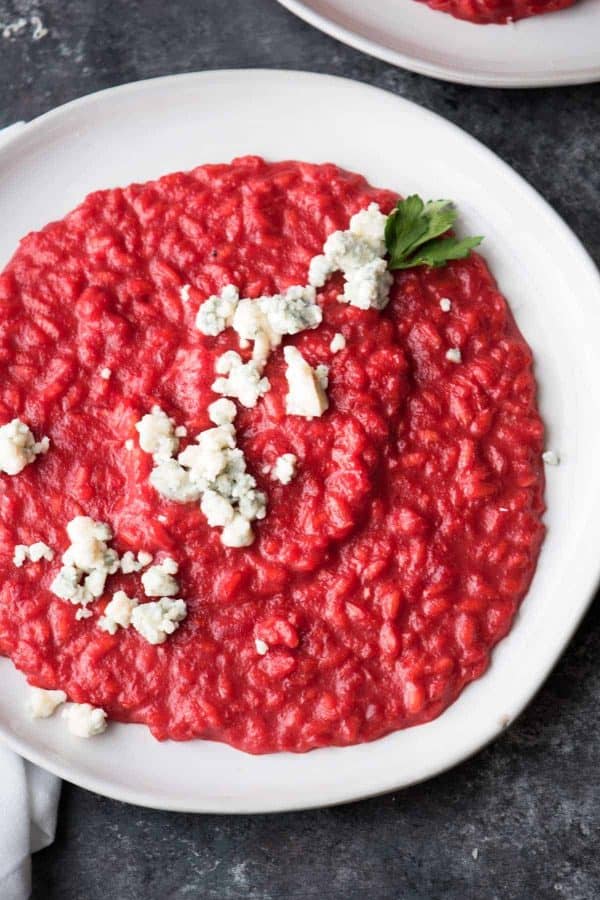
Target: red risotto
(498, 12)
(389, 566)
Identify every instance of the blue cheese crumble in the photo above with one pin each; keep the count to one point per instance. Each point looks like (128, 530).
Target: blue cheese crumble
(338, 342)
(306, 395)
(216, 313)
(157, 434)
(129, 563)
(34, 553)
(359, 253)
(41, 704)
(213, 470)
(85, 720)
(158, 581)
(18, 447)
(156, 620)
(87, 562)
(454, 355)
(222, 412)
(117, 613)
(242, 380)
(284, 468)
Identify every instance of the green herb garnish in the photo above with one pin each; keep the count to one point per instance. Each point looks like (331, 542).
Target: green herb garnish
(414, 234)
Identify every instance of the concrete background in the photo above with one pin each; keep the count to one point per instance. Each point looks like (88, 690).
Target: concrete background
(521, 819)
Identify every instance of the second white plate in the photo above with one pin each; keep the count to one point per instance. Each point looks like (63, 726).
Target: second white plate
(143, 130)
(553, 49)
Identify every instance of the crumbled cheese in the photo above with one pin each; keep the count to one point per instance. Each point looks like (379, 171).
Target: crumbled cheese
(222, 412)
(237, 533)
(454, 355)
(347, 252)
(87, 562)
(293, 311)
(217, 509)
(263, 321)
(89, 550)
(130, 564)
(20, 555)
(359, 253)
(216, 468)
(173, 482)
(40, 550)
(306, 396)
(338, 342)
(129, 444)
(322, 373)
(105, 373)
(551, 458)
(241, 380)
(18, 447)
(261, 647)
(169, 566)
(157, 434)
(35, 552)
(319, 270)
(284, 468)
(83, 613)
(154, 621)
(158, 580)
(267, 319)
(216, 313)
(117, 613)
(225, 363)
(369, 224)
(368, 286)
(445, 304)
(184, 292)
(95, 582)
(41, 703)
(85, 720)
(251, 324)
(67, 586)
(207, 457)
(251, 503)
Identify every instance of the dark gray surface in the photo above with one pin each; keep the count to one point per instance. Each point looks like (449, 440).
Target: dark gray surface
(521, 819)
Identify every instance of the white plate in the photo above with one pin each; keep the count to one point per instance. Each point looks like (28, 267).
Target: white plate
(142, 130)
(557, 48)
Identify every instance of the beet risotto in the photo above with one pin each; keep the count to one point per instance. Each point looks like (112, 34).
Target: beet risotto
(498, 12)
(271, 458)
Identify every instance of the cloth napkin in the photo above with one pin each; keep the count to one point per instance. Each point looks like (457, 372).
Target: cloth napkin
(28, 797)
(28, 806)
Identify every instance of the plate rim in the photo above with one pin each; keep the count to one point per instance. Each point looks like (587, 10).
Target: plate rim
(308, 14)
(390, 781)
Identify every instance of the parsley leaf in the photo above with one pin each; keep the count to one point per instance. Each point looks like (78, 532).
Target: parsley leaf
(405, 226)
(440, 251)
(413, 234)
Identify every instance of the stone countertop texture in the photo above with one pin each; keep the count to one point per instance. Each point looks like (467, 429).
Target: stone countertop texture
(521, 819)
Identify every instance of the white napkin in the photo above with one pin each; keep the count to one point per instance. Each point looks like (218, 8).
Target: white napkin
(28, 799)
(28, 805)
